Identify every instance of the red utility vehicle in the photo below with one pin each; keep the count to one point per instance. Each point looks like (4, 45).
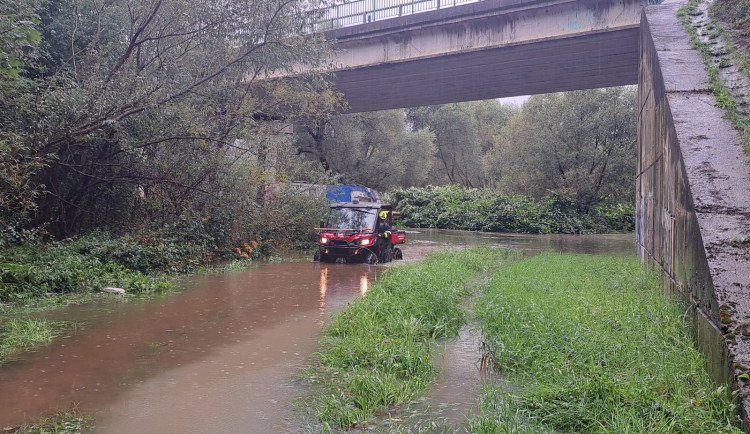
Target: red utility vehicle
(350, 234)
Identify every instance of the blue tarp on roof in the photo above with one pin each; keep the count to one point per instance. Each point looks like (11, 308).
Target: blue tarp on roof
(347, 193)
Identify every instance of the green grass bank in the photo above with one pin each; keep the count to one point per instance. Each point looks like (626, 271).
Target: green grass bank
(376, 352)
(592, 344)
(579, 343)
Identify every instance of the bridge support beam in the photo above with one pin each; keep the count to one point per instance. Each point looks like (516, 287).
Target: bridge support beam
(692, 187)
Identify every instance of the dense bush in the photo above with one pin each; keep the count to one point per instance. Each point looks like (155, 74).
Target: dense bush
(29, 267)
(454, 207)
(87, 264)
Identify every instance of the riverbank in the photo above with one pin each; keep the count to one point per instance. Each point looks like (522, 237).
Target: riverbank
(475, 209)
(580, 343)
(98, 268)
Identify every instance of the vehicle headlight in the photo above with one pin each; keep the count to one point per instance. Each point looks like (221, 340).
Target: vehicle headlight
(323, 240)
(366, 241)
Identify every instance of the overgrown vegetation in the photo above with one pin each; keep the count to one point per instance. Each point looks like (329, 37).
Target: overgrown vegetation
(591, 344)
(580, 145)
(376, 352)
(139, 264)
(737, 14)
(17, 334)
(132, 116)
(63, 422)
(454, 207)
(86, 265)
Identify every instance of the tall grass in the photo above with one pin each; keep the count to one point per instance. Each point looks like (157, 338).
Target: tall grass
(17, 334)
(591, 344)
(63, 422)
(376, 352)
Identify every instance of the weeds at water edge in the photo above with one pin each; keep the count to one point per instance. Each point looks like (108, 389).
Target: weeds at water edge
(21, 334)
(64, 422)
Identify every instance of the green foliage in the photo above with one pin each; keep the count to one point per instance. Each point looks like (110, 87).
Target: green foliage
(463, 134)
(16, 334)
(62, 422)
(88, 264)
(591, 344)
(288, 220)
(119, 122)
(579, 144)
(373, 149)
(19, 37)
(735, 12)
(454, 207)
(376, 352)
(431, 145)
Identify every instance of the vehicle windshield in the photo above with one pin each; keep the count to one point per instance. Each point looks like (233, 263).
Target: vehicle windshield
(356, 219)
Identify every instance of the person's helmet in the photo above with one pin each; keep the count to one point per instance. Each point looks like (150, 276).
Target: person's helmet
(383, 214)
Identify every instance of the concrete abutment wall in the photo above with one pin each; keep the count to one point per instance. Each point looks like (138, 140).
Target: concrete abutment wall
(692, 187)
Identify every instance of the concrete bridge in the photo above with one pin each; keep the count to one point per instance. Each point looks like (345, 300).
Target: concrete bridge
(693, 181)
(487, 49)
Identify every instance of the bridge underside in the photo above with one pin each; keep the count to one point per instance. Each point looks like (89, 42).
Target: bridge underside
(585, 61)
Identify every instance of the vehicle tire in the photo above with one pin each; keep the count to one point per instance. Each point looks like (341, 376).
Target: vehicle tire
(398, 254)
(322, 257)
(387, 255)
(370, 258)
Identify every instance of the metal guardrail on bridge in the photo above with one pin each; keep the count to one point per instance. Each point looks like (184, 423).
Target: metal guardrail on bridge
(364, 11)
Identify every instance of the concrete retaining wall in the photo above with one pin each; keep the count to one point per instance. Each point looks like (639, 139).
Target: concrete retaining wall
(693, 196)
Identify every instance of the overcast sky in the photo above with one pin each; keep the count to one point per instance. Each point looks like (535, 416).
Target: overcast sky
(517, 100)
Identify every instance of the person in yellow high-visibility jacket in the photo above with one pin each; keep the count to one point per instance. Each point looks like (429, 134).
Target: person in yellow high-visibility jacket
(384, 230)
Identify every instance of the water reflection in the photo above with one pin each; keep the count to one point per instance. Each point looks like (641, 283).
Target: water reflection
(618, 244)
(363, 283)
(323, 290)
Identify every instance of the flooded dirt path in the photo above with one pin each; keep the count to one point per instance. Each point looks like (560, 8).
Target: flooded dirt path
(223, 355)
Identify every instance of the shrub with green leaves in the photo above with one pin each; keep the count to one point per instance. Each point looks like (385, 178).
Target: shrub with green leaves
(455, 207)
(85, 265)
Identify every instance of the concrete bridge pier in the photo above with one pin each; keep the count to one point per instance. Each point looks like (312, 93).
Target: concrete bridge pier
(693, 181)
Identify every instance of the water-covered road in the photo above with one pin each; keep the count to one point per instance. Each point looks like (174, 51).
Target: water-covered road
(221, 356)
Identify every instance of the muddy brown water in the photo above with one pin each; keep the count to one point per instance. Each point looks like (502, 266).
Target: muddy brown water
(224, 355)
